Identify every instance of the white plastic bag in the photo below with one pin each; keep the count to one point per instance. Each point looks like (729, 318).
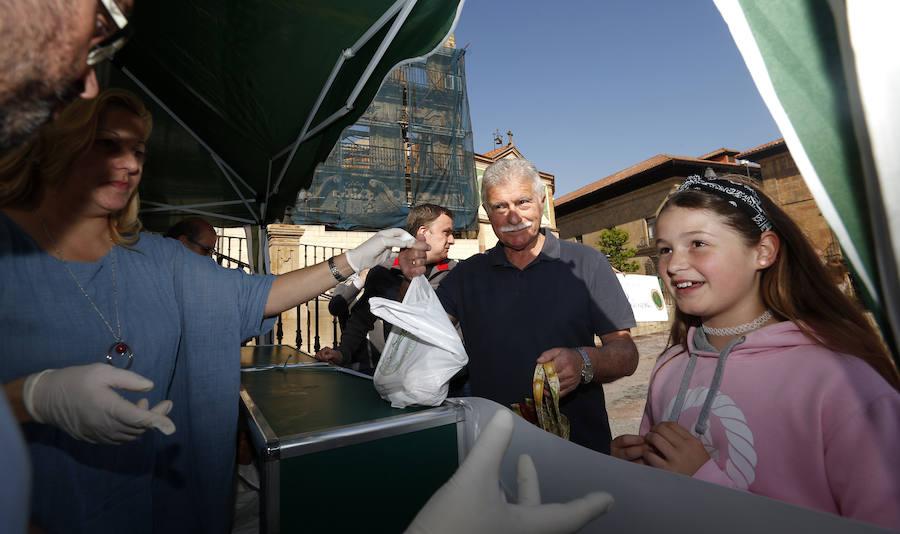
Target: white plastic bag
(423, 350)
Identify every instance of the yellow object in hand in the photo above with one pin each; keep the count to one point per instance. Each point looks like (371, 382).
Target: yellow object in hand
(548, 414)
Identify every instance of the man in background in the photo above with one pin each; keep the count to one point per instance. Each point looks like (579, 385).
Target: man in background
(429, 221)
(196, 235)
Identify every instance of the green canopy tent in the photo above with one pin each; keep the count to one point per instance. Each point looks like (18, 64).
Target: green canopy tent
(827, 72)
(249, 96)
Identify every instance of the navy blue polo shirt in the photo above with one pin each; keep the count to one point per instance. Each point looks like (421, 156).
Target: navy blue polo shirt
(509, 316)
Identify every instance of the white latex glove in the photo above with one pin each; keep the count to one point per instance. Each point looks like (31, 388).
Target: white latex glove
(472, 501)
(81, 401)
(377, 248)
(357, 280)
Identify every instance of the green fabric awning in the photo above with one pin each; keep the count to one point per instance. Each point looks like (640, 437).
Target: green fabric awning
(249, 96)
(827, 71)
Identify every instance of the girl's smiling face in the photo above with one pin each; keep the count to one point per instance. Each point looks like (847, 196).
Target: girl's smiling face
(709, 268)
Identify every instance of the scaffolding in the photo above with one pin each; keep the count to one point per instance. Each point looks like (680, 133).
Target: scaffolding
(413, 145)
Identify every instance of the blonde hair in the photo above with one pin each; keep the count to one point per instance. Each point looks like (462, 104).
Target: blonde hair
(46, 160)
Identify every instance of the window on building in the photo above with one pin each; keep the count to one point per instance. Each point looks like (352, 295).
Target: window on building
(651, 230)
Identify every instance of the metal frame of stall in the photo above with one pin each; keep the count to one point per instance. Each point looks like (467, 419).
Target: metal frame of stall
(279, 448)
(256, 201)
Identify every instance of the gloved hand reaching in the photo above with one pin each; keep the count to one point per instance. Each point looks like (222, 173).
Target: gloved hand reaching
(377, 248)
(472, 501)
(81, 401)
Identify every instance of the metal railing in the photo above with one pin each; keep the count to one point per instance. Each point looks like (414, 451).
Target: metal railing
(231, 251)
(310, 322)
(314, 326)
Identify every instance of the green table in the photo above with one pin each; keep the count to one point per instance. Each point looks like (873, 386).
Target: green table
(335, 457)
(264, 356)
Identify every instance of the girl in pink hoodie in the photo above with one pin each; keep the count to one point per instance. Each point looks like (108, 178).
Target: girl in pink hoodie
(806, 409)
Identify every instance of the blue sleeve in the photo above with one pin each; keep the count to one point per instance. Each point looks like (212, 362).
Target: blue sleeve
(219, 309)
(215, 298)
(15, 493)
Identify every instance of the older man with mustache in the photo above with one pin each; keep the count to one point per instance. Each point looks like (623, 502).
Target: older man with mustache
(533, 299)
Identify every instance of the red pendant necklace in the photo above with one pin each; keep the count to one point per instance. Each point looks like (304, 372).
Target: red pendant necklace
(119, 349)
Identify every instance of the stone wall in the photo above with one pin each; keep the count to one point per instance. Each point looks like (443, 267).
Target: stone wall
(780, 178)
(636, 205)
(629, 212)
(782, 182)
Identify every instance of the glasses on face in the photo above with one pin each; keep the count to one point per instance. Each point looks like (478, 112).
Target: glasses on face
(115, 38)
(207, 251)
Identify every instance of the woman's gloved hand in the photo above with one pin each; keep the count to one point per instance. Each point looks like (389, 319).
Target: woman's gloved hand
(81, 401)
(472, 501)
(377, 248)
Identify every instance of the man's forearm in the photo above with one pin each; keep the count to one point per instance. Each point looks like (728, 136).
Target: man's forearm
(617, 357)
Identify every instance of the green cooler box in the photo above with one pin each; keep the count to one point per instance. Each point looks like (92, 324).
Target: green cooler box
(335, 457)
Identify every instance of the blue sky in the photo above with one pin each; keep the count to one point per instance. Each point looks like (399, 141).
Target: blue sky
(591, 87)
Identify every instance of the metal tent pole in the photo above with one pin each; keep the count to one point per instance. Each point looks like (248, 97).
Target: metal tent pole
(404, 7)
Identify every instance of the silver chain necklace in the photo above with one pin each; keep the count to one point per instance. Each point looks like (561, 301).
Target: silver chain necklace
(740, 329)
(118, 348)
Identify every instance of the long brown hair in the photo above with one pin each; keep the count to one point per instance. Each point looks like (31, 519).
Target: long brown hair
(47, 159)
(796, 287)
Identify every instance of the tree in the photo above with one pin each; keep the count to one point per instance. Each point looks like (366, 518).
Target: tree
(612, 243)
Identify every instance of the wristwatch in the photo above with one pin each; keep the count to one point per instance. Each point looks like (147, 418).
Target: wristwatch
(587, 372)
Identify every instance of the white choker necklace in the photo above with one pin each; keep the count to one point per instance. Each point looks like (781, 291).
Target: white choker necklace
(740, 329)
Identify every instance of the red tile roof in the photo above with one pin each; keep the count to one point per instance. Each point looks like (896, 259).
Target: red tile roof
(638, 168)
(721, 151)
(747, 154)
(496, 151)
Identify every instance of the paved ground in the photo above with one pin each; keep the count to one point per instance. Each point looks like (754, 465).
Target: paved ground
(625, 397)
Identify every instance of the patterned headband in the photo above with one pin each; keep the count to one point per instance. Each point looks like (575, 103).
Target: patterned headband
(737, 194)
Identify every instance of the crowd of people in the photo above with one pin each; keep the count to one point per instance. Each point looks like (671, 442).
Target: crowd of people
(120, 350)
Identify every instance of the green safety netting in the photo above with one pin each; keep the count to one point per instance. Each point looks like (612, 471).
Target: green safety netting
(413, 145)
(248, 96)
(827, 73)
